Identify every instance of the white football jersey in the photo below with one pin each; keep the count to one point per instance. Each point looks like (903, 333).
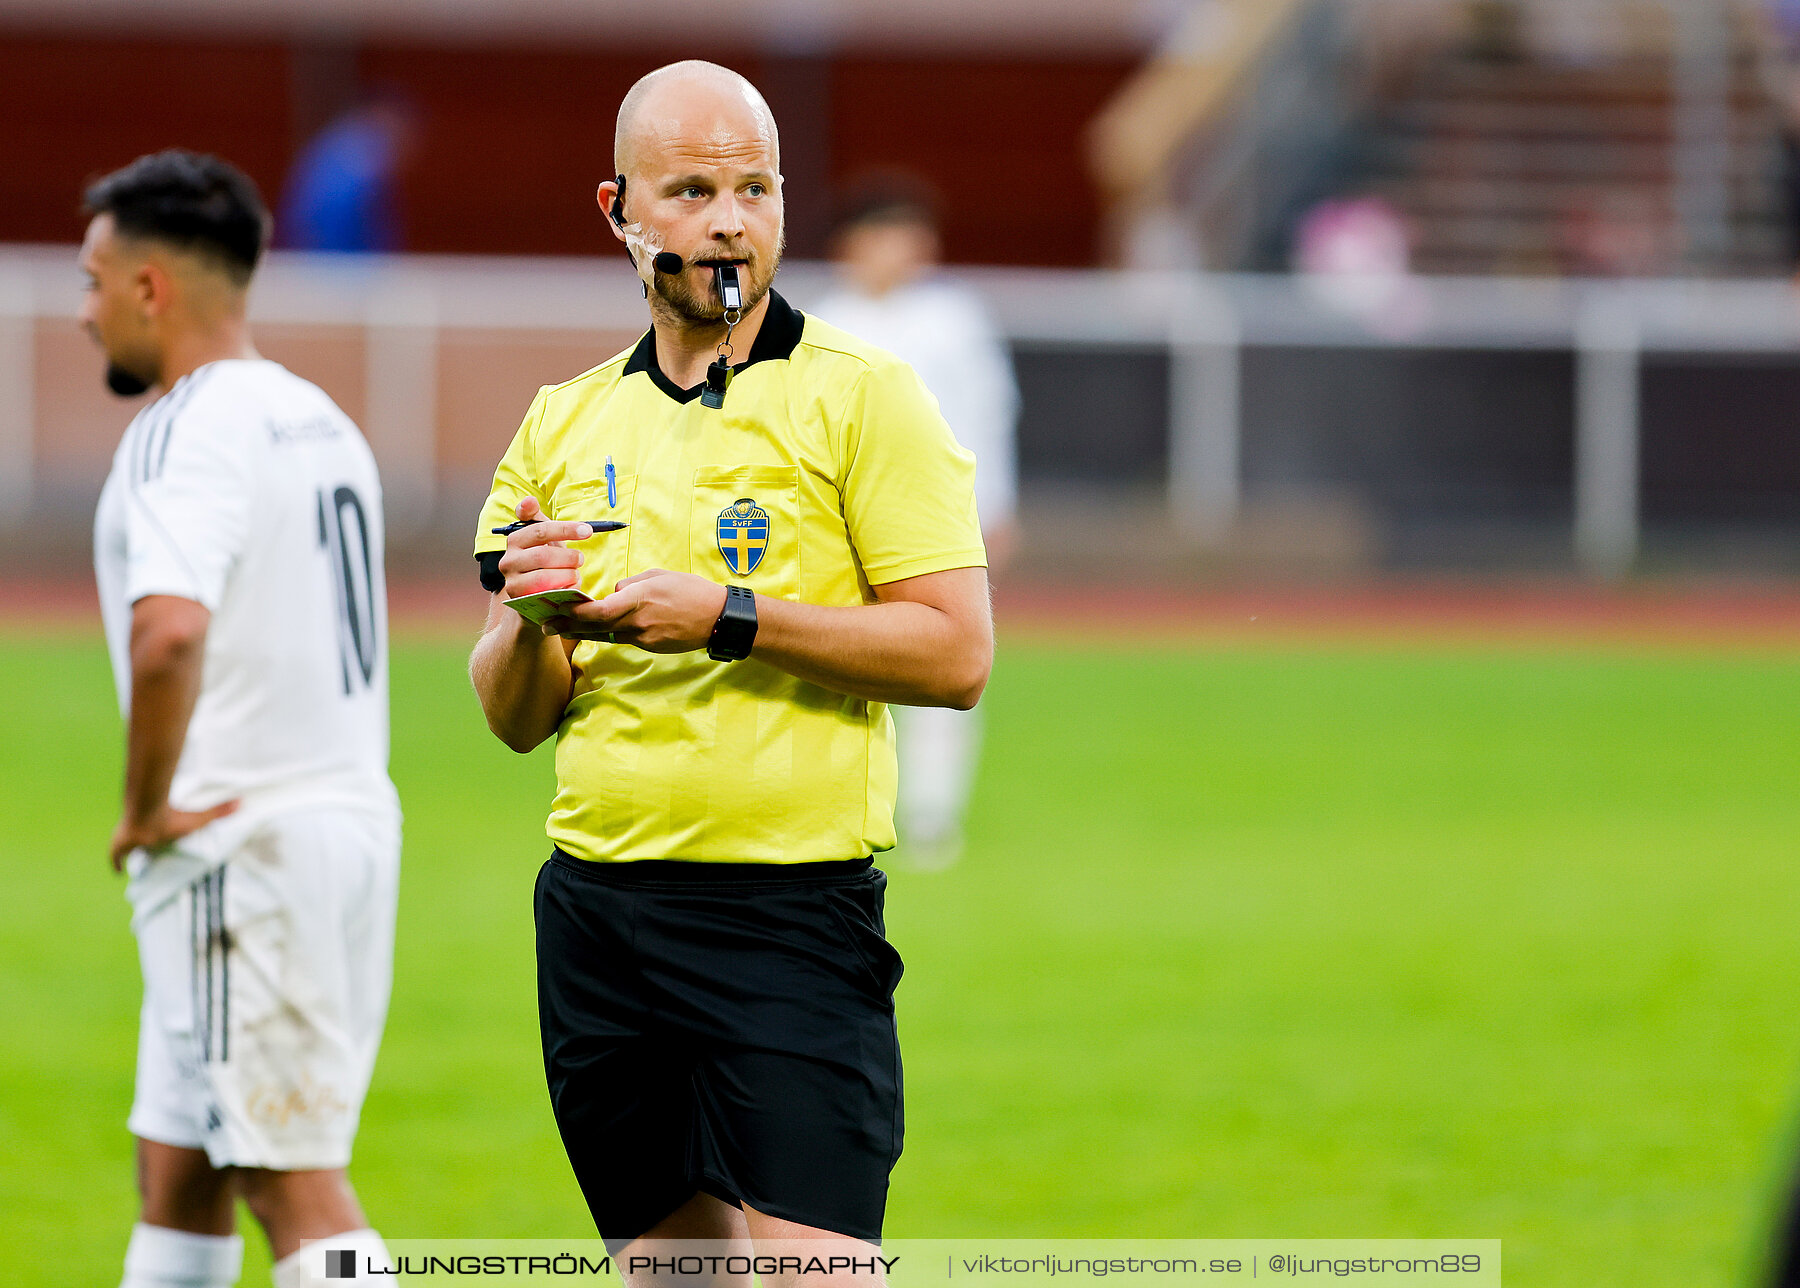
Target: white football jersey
(942, 330)
(246, 489)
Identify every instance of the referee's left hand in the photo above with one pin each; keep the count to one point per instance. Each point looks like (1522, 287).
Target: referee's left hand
(658, 611)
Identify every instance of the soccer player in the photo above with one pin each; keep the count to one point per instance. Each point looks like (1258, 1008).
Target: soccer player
(714, 982)
(886, 246)
(238, 548)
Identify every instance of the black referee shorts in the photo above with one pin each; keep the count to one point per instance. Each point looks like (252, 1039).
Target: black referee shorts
(726, 1028)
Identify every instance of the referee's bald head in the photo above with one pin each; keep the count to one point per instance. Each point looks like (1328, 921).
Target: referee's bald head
(690, 101)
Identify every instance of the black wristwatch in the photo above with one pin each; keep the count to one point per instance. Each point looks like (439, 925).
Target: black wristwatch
(735, 631)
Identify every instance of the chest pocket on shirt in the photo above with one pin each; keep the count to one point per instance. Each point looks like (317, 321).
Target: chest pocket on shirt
(745, 527)
(605, 554)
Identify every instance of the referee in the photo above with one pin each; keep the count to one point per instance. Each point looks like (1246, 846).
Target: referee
(714, 985)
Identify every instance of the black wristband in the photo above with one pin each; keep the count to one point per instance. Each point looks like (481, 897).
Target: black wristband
(735, 631)
(491, 577)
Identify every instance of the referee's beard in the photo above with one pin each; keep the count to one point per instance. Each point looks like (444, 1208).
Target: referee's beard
(703, 307)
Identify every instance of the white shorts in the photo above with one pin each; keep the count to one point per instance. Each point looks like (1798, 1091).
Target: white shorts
(266, 985)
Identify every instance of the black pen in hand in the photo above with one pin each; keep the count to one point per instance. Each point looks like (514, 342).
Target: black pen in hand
(598, 525)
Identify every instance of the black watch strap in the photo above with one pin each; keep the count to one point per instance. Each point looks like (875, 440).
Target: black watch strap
(735, 631)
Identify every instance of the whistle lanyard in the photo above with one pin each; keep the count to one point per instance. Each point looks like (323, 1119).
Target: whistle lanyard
(718, 375)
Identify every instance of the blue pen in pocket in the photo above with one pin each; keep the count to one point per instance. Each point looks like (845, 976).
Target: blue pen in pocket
(612, 485)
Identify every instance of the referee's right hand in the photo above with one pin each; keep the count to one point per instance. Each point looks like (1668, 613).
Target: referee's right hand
(536, 558)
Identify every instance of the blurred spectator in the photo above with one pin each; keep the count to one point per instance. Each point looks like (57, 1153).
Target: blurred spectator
(1355, 253)
(340, 194)
(1786, 15)
(1784, 34)
(1496, 31)
(886, 246)
(1579, 33)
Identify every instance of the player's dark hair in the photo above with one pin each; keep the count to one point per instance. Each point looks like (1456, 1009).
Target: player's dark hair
(187, 200)
(887, 198)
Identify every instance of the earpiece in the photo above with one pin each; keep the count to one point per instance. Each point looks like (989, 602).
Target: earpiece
(664, 261)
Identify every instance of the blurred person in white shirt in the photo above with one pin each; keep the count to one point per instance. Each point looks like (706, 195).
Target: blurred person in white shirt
(891, 292)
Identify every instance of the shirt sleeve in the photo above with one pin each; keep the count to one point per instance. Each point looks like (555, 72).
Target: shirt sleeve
(515, 478)
(908, 487)
(189, 509)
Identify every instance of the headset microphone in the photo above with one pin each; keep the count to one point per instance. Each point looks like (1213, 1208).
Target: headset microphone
(664, 261)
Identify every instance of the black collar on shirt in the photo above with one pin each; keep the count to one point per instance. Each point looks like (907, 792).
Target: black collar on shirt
(779, 337)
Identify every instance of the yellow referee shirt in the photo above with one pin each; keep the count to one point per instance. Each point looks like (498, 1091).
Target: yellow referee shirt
(828, 470)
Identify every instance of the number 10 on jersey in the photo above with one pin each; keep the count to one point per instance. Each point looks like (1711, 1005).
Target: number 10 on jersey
(344, 540)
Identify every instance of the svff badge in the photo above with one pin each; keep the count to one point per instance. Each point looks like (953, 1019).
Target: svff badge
(743, 535)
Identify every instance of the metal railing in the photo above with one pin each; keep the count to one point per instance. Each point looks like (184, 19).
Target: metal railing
(403, 306)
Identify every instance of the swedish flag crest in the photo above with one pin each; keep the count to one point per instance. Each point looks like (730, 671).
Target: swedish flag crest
(743, 535)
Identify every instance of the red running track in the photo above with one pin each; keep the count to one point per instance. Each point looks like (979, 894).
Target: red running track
(1761, 616)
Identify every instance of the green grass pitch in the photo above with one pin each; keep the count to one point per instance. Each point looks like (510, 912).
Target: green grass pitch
(1250, 941)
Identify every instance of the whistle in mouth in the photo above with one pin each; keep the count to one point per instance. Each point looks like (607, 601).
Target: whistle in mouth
(729, 291)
